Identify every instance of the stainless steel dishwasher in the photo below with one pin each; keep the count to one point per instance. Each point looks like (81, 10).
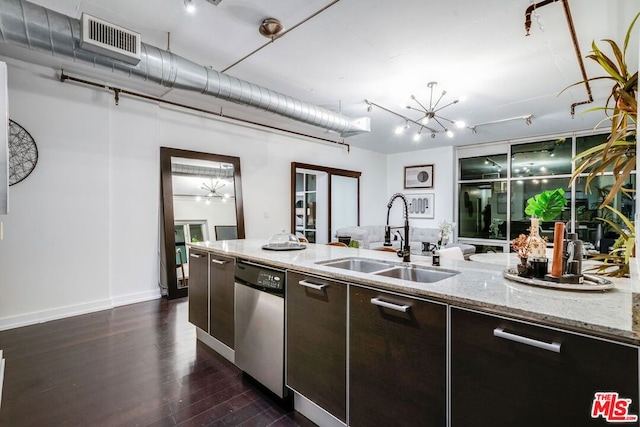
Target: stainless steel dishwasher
(259, 332)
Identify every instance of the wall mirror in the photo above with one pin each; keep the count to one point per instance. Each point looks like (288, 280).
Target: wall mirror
(201, 201)
(323, 200)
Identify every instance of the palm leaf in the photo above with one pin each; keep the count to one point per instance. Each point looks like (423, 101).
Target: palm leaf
(622, 66)
(628, 35)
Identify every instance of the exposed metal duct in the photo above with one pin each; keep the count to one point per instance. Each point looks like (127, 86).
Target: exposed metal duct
(202, 171)
(28, 25)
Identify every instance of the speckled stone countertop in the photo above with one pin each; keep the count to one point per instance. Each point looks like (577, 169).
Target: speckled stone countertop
(608, 314)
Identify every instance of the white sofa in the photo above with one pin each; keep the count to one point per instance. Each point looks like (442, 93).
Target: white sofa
(372, 236)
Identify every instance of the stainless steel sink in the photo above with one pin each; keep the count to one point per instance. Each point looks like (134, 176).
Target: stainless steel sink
(362, 265)
(417, 274)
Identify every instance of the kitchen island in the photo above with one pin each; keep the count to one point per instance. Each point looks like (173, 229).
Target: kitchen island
(443, 353)
(479, 285)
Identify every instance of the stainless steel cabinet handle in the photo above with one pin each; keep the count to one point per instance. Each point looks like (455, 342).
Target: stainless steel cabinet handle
(195, 256)
(390, 305)
(217, 261)
(311, 285)
(554, 346)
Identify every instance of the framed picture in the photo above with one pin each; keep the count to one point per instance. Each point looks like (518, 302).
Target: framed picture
(421, 206)
(418, 176)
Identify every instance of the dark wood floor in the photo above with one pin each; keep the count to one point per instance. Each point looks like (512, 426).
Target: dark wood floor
(130, 366)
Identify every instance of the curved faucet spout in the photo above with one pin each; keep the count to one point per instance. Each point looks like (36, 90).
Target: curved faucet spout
(406, 205)
(405, 251)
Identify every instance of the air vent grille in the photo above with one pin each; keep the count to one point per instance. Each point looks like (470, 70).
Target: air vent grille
(110, 40)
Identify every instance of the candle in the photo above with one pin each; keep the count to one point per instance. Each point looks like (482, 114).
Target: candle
(558, 238)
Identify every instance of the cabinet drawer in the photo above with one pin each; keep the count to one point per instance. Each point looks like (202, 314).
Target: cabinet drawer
(514, 373)
(317, 341)
(397, 360)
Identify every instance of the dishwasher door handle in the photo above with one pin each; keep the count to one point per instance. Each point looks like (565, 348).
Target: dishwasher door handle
(500, 333)
(308, 284)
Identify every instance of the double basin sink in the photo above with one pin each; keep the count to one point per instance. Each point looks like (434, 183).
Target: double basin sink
(411, 273)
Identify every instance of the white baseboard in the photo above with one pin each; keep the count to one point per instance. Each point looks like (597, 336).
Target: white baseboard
(137, 297)
(75, 310)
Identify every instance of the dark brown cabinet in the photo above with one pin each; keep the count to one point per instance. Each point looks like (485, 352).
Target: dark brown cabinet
(211, 294)
(221, 294)
(199, 289)
(510, 373)
(317, 341)
(397, 360)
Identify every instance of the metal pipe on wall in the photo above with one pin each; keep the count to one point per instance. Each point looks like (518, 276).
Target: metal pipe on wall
(37, 28)
(574, 39)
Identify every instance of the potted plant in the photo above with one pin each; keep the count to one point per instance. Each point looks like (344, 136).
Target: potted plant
(619, 150)
(545, 206)
(445, 231)
(623, 248)
(521, 247)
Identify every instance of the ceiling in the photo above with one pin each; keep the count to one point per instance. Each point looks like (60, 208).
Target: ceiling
(382, 51)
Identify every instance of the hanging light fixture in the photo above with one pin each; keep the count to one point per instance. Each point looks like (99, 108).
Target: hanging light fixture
(431, 112)
(430, 120)
(213, 191)
(188, 4)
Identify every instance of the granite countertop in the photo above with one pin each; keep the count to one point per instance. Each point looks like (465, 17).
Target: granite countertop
(608, 314)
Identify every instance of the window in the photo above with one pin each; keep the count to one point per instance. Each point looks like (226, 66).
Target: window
(544, 158)
(521, 191)
(483, 167)
(491, 202)
(482, 210)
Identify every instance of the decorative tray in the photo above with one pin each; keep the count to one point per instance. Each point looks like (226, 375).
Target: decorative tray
(286, 246)
(591, 283)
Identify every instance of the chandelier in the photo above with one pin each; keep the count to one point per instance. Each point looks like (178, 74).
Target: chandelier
(213, 191)
(430, 113)
(432, 121)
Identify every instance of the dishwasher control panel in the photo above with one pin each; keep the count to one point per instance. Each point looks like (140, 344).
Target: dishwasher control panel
(269, 280)
(260, 277)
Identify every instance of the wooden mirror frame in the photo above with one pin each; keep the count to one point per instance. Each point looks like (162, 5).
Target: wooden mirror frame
(329, 171)
(166, 189)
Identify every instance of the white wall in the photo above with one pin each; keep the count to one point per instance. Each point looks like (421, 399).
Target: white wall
(82, 233)
(443, 160)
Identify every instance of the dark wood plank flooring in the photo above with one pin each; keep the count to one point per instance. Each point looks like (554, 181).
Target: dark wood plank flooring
(130, 366)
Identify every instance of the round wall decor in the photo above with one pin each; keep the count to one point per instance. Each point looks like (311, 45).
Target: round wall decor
(23, 153)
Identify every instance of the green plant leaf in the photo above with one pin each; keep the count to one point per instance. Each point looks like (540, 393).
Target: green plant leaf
(546, 205)
(628, 35)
